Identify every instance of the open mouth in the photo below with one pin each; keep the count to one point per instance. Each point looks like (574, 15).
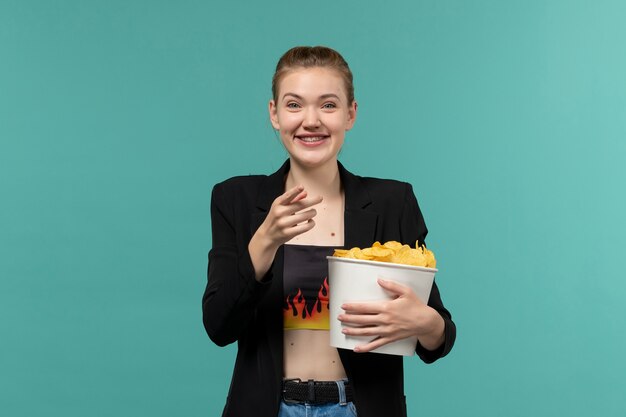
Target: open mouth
(312, 139)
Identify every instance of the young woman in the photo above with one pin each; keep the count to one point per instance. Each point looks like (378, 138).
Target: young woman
(267, 287)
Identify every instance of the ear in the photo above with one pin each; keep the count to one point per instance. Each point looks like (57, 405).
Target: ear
(273, 114)
(351, 115)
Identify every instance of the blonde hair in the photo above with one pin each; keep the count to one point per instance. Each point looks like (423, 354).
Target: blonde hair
(309, 57)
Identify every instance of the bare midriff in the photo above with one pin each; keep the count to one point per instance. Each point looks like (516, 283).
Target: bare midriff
(308, 355)
(307, 352)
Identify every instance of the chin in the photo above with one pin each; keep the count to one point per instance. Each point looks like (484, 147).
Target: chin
(312, 162)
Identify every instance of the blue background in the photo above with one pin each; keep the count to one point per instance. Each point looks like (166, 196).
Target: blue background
(117, 117)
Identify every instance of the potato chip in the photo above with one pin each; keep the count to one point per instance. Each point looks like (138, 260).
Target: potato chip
(360, 255)
(341, 253)
(378, 253)
(394, 245)
(392, 251)
(430, 258)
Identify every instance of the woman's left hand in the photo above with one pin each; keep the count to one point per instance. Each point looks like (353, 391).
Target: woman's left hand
(403, 316)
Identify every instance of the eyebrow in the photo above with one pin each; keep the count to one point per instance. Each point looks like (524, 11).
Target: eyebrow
(323, 96)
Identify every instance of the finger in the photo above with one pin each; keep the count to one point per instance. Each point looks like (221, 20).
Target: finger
(375, 344)
(394, 287)
(305, 203)
(295, 219)
(290, 209)
(372, 307)
(300, 228)
(362, 331)
(298, 197)
(290, 194)
(360, 319)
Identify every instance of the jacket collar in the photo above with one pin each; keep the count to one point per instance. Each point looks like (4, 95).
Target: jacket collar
(359, 223)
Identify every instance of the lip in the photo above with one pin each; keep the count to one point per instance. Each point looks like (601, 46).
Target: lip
(312, 135)
(299, 139)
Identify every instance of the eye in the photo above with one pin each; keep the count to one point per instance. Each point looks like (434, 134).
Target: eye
(292, 105)
(329, 105)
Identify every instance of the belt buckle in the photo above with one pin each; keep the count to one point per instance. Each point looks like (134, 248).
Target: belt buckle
(285, 399)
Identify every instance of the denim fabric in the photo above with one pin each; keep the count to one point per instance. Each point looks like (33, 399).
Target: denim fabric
(317, 410)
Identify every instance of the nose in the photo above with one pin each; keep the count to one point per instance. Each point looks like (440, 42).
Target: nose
(311, 118)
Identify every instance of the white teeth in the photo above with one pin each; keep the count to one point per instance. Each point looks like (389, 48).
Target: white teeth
(311, 139)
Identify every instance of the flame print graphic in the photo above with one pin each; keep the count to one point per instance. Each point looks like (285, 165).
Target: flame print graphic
(300, 313)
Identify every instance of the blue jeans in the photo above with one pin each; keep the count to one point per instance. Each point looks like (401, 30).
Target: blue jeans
(340, 409)
(317, 410)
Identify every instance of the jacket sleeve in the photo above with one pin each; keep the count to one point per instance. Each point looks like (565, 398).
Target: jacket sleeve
(414, 229)
(232, 292)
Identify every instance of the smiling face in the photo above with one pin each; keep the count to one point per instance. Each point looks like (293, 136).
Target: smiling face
(312, 114)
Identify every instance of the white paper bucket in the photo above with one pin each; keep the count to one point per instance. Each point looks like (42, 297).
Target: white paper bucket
(353, 280)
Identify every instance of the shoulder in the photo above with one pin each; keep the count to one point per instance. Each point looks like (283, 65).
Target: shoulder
(375, 188)
(386, 193)
(240, 188)
(382, 186)
(399, 212)
(389, 197)
(241, 182)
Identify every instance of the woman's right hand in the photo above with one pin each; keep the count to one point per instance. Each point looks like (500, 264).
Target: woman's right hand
(290, 215)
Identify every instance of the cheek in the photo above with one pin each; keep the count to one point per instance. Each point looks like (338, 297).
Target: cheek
(339, 122)
(288, 121)
(338, 126)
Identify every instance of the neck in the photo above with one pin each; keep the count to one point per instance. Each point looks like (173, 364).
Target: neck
(323, 180)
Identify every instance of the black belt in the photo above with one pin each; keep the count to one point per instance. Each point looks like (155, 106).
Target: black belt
(313, 392)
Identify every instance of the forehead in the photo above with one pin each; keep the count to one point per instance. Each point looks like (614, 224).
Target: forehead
(312, 82)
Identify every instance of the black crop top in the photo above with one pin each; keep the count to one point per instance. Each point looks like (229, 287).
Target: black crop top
(305, 287)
